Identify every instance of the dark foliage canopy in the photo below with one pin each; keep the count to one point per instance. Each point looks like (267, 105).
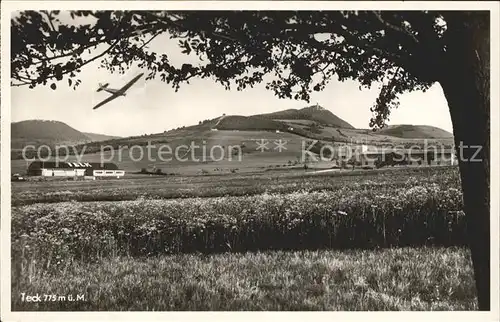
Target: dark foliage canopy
(303, 50)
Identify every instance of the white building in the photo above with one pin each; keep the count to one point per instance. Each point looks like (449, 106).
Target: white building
(74, 169)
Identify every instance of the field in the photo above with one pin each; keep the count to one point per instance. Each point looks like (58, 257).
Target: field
(360, 240)
(207, 151)
(216, 184)
(215, 149)
(394, 279)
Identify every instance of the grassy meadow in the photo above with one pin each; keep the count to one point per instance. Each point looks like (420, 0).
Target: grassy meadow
(372, 240)
(215, 184)
(390, 279)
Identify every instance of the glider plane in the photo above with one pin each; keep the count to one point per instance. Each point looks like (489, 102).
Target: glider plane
(115, 92)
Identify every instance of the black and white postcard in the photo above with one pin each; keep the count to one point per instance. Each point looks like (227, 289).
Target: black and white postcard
(172, 160)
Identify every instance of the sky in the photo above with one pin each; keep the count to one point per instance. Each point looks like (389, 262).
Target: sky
(153, 106)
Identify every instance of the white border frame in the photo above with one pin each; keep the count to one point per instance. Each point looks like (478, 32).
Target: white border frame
(8, 6)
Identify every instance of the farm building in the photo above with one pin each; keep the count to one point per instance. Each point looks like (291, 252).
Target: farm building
(370, 156)
(74, 169)
(407, 157)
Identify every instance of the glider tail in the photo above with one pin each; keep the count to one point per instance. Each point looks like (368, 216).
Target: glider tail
(102, 86)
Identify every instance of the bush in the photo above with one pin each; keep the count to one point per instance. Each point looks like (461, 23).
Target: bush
(351, 217)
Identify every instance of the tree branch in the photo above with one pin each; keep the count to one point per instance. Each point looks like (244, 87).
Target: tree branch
(49, 17)
(151, 39)
(349, 39)
(395, 28)
(411, 63)
(170, 22)
(201, 71)
(23, 83)
(18, 77)
(94, 43)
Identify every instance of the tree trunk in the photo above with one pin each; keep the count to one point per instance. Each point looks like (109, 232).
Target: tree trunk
(466, 85)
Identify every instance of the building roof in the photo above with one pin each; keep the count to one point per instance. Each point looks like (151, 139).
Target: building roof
(71, 165)
(412, 152)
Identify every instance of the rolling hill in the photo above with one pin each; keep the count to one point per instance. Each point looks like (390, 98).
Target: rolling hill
(326, 130)
(212, 149)
(249, 123)
(311, 113)
(49, 130)
(293, 126)
(99, 137)
(38, 132)
(407, 131)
